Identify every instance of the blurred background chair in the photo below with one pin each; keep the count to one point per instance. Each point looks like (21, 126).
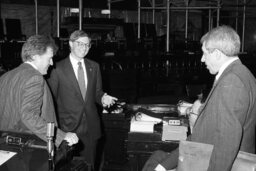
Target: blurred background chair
(2, 36)
(194, 90)
(13, 30)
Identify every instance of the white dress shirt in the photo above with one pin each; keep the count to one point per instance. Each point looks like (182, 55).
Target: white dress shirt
(224, 66)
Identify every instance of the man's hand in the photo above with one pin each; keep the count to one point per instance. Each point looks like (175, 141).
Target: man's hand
(108, 100)
(159, 167)
(196, 106)
(194, 112)
(71, 138)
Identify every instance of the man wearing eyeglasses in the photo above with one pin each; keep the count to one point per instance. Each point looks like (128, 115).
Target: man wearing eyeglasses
(77, 86)
(228, 118)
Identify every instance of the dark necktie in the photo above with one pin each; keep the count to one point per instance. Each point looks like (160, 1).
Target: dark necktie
(80, 77)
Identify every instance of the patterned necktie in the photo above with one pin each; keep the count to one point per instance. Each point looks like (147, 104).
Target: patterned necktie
(80, 77)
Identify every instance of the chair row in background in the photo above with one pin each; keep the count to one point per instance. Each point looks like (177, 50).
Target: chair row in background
(133, 79)
(10, 43)
(13, 30)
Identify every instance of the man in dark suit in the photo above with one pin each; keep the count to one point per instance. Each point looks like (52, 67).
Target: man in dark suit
(26, 102)
(77, 87)
(228, 117)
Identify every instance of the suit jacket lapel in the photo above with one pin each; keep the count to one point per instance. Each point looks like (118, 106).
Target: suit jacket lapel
(226, 71)
(206, 101)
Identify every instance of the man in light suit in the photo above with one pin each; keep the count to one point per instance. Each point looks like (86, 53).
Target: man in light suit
(76, 95)
(228, 117)
(26, 102)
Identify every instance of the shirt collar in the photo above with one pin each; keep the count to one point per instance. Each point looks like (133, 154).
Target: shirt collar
(30, 63)
(224, 66)
(74, 61)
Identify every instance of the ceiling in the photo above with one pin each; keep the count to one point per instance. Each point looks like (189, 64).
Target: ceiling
(132, 4)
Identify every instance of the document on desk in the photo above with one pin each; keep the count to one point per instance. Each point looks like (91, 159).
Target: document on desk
(142, 126)
(173, 132)
(5, 155)
(143, 123)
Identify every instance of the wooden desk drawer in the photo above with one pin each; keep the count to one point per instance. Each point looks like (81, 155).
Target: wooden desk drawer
(149, 147)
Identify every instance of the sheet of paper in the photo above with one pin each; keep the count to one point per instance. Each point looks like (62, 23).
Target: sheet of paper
(142, 126)
(5, 155)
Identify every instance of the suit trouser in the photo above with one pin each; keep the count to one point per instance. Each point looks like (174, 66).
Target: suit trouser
(89, 151)
(87, 145)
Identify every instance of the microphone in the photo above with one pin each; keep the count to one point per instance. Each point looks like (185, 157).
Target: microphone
(50, 146)
(49, 135)
(50, 129)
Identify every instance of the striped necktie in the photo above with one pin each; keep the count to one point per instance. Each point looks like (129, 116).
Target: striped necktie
(80, 78)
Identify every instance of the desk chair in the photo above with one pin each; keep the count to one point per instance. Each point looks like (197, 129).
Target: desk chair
(13, 30)
(193, 90)
(2, 36)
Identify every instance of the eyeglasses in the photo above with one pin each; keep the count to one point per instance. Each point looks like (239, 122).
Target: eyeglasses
(81, 44)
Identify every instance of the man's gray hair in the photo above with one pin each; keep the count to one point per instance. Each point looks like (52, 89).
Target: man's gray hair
(224, 38)
(77, 34)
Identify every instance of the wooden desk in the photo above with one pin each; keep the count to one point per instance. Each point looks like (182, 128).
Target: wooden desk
(141, 145)
(126, 149)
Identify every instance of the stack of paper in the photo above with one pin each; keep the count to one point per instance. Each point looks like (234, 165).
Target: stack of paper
(142, 126)
(171, 132)
(5, 155)
(143, 123)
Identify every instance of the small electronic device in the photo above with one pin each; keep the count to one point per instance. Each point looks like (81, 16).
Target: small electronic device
(171, 121)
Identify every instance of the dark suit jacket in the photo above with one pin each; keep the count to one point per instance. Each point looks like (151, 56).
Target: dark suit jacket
(228, 117)
(26, 103)
(71, 106)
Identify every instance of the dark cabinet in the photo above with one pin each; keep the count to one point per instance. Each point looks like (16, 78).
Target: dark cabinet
(115, 128)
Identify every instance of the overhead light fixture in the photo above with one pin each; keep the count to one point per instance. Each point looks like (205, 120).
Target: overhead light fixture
(105, 11)
(74, 10)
